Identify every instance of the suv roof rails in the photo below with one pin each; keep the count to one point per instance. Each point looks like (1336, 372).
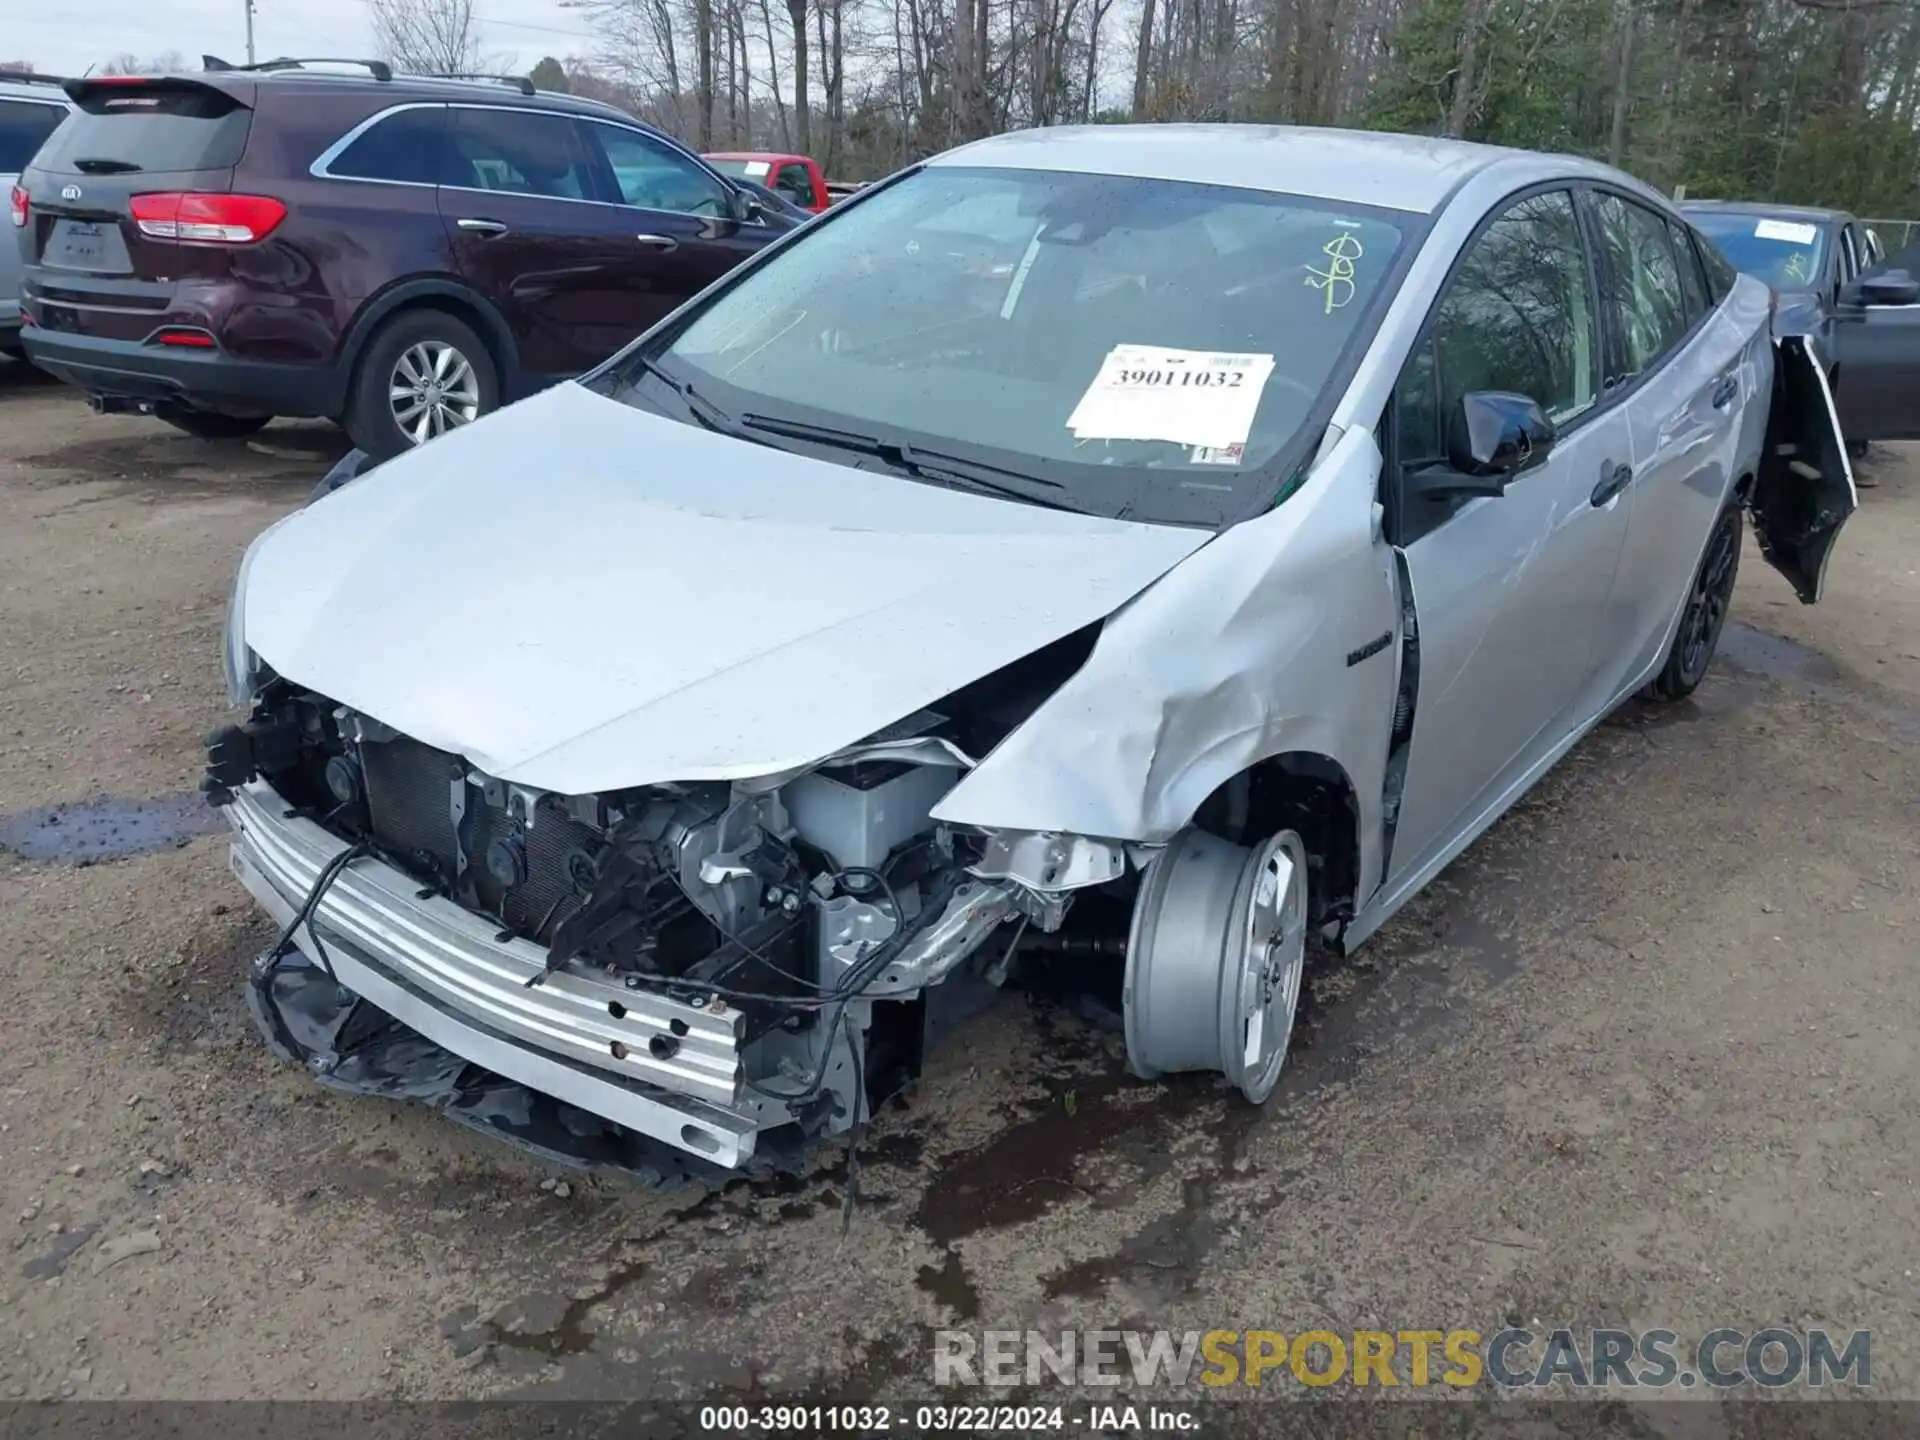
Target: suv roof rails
(519, 82)
(379, 69)
(31, 77)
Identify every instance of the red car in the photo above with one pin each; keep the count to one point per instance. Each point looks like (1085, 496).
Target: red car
(794, 177)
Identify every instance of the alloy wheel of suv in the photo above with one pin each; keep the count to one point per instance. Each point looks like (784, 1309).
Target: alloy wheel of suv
(433, 389)
(423, 374)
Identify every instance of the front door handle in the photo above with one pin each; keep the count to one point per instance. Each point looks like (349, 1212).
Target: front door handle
(474, 225)
(1613, 479)
(1726, 392)
(662, 243)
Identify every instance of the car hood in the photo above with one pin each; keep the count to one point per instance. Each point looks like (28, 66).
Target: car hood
(580, 596)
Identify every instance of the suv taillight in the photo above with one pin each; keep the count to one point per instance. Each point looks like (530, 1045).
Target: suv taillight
(206, 219)
(17, 205)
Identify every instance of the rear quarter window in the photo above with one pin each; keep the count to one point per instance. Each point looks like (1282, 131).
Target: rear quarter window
(151, 127)
(24, 128)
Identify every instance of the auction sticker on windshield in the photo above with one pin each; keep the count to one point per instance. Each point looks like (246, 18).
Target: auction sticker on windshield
(1787, 230)
(1201, 398)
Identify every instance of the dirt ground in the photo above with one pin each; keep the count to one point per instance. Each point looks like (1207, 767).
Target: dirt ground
(1644, 1056)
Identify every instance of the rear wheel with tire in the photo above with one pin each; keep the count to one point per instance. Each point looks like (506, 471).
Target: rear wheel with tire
(424, 373)
(211, 424)
(1708, 601)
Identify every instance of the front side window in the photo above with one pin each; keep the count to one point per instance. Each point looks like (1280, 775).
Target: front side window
(653, 176)
(1518, 316)
(409, 147)
(24, 128)
(520, 152)
(1087, 334)
(1641, 282)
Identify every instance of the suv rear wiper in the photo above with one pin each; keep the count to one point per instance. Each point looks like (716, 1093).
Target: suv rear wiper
(932, 465)
(93, 166)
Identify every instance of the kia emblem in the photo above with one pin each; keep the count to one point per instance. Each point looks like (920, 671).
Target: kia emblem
(70, 192)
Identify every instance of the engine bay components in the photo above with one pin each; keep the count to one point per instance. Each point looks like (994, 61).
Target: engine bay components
(754, 956)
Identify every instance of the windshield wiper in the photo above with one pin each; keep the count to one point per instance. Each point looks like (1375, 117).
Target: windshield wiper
(704, 410)
(105, 167)
(932, 465)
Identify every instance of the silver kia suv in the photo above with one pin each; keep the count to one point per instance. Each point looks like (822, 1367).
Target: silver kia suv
(30, 107)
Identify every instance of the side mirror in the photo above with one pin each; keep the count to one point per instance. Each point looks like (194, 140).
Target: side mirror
(747, 206)
(1891, 287)
(1492, 435)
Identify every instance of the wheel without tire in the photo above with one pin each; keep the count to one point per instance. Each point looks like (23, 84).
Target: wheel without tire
(1215, 959)
(1708, 601)
(423, 374)
(211, 424)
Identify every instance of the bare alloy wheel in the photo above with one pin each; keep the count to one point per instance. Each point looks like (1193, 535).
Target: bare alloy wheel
(1215, 959)
(433, 389)
(1708, 602)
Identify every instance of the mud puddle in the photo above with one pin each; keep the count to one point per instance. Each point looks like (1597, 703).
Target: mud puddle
(1807, 670)
(163, 466)
(107, 829)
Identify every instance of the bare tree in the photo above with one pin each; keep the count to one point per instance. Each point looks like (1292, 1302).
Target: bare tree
(127, 63)
(428, 37)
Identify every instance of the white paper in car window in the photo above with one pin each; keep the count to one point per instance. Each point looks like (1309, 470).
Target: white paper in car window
(1787, 230)
(757, 168)
(1204, 398)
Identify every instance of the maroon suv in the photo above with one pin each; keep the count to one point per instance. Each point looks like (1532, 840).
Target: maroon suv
(399, 254)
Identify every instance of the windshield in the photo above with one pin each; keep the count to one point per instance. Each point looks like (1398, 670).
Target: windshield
(741, 169)
(1131, 347)
(1784, 251)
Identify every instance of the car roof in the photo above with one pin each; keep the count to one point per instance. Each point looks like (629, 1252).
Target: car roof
(23, 86)
(395, 89)
(1363, 167)
(1762, 207)
(768, 155)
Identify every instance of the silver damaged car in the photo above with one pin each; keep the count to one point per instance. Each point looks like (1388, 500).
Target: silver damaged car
(1136, 554)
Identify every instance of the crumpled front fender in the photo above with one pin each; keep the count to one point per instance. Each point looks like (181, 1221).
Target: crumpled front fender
(1245, 650)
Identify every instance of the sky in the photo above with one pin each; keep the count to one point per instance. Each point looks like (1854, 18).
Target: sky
(64, 38)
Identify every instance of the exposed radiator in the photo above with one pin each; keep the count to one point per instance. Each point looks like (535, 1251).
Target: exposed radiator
(410, 801)
(410, 804)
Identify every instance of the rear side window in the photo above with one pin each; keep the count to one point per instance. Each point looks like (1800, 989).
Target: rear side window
(1720, 272)
(1640, 284)
(1693, 279)
(150, 127)
(408, 147)
(24, 128)
(520, 152)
